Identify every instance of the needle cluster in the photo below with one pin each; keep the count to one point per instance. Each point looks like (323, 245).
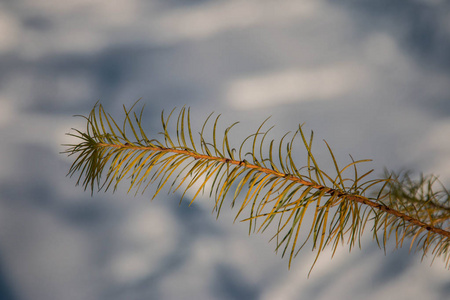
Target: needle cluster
(302, 206)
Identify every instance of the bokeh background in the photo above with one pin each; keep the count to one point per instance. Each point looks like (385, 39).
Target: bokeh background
(370, 77)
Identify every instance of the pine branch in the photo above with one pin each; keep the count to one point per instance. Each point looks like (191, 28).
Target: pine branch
(271, 184)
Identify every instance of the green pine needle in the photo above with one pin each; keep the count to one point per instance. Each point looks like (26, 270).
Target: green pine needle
(264, 183)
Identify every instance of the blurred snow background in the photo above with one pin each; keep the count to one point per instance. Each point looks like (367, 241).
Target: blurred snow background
(370, 77)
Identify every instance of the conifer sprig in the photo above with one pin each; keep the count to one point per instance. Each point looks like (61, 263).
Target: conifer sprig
(265, 182)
